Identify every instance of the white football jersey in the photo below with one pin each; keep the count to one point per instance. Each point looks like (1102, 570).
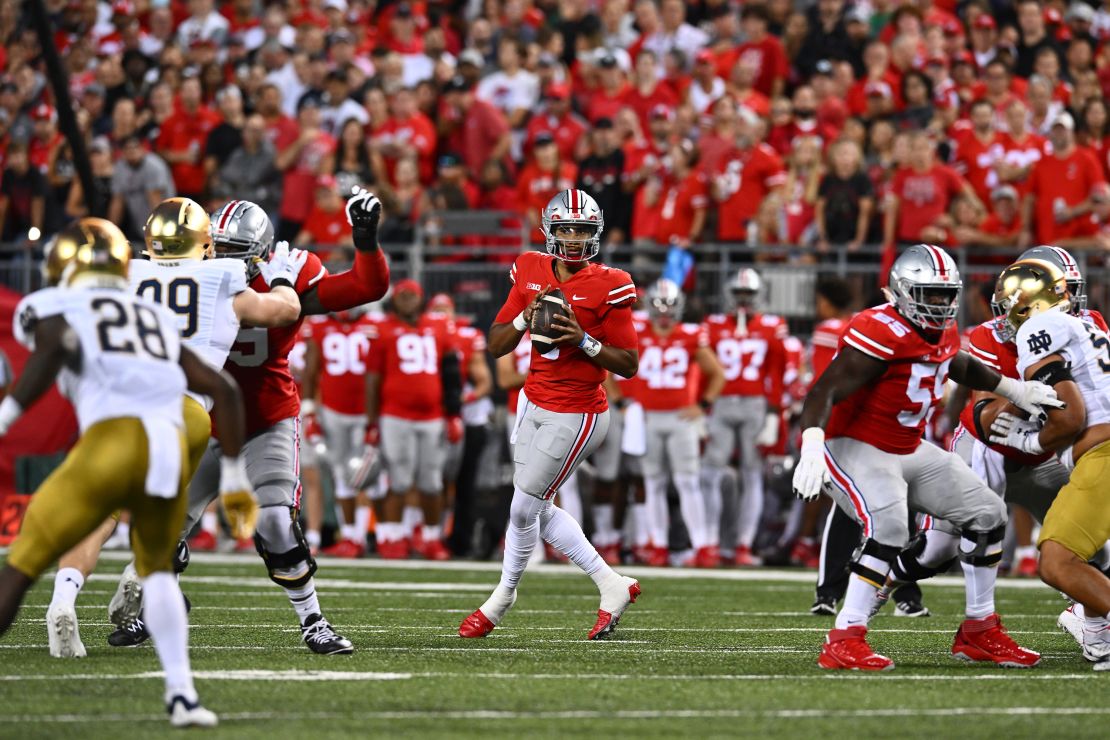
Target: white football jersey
(129, 353)
(1084, 347)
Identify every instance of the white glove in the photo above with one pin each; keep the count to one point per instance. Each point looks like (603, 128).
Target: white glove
(283, 265)
(811, 472)
(237, 497)
(1020, 434)
(769, 433)
(1031, 396)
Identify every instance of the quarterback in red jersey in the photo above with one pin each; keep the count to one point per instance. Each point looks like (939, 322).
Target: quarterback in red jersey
(414, 397)
(749, 346)
(567, 415)
(874, 401)
(672, 355)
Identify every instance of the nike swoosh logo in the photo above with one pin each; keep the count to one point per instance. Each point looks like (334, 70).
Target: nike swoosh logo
(578, 297)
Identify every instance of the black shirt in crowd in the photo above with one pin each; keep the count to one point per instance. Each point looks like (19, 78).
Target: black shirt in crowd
(842, 204)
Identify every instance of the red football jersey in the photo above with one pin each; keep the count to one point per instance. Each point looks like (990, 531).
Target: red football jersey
(344, 347)
(565, 380)
(408, 360)
(259, 360)
(1024, 153)
(891, 412)
(823, 344)
(744, 177)
(975, 160)
(752, 355)
(668, 372)
(522, 360)
(469, 342)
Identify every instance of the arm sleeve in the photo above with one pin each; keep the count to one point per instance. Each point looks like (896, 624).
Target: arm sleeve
(619, 330)
(366, 281)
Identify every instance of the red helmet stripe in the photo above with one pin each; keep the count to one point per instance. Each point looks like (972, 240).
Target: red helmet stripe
(1065, 258)
(228, 210)
(938, 258)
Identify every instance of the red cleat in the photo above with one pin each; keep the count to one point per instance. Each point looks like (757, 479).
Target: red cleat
(1027, 568)
(393, 550)
(658, 557)
(245, 545)
(346, 549)
(607, 619)
(847, 649)
(805, 554)
(744, 557)
(205, 541)
(476, 625)
(434, 550)
(986, 641)
(611, 554)
(707, 557)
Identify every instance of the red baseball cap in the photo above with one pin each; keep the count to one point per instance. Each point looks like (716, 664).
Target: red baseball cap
(558, 90)
(1052, 16)
(408, 285)
(984, 21)
(704, 56)
(660, 111)
(441, 301)
(953, 27)
(963, 57)
(879, 88)
(43, 112)
(940, 59)
(123, 7)
(326, 181)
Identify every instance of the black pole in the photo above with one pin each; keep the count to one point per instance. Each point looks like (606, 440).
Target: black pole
(59, 81)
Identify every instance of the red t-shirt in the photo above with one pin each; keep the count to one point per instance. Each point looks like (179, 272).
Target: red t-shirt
(567, 132)
(668, 369)
(184, 130)
(536, 187)
(344, 347)
(1071, 179)
(566, 380)
(645, 218)
(408, 360)
(604, 104)
(1025, 153)
(680, 203)
(300, 179)
(482, 127)
(38, 151)
(642, 104)
(975, 160)
(416, 133)
(327, 227)
(924, 197)
(769, 59)
(752, 354)
(745, 176)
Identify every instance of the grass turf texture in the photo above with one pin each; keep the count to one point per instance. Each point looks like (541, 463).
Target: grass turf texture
(732, 656)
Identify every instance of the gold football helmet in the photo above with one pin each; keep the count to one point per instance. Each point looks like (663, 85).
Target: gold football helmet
(89, 248)
(1024, 289)
(177, 229)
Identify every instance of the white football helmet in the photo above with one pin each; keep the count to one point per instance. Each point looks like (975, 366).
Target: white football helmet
(745, 288)
(665, 299)
(242, 230)
(1077, 284)
(573, 208)
(924, 285)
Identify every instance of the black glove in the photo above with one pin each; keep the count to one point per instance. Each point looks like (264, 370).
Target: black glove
(364, 210)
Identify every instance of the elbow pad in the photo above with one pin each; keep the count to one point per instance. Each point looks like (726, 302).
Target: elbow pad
(451, 377)
(1053, 373)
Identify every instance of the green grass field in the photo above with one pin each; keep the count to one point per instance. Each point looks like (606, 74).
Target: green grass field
(729, 655)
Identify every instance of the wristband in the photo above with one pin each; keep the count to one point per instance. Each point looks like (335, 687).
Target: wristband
(706, 405)
(308, 406)
(519, 323)
(280, 282)
(10, 410)
(589, 345)
(1008, 388)
(813, 440)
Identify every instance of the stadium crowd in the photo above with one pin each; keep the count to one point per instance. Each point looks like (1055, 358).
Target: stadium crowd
(807, 124)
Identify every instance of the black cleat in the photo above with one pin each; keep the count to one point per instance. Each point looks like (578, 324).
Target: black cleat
(823, 606)
(322, 639)
(911, 608)
(133, 632)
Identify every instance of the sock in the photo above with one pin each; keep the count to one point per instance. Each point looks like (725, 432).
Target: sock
(210, 522)
(860, 596)
(304, 600)
(751, 506)
(412, 518)
(67, 584)
(168, 624)
(520, 542)
(123, 532)
(566, 536)
(604, 534)
(362, 522)
(711, 489)
(570, 498)
(692, 504)
(640, 522)
(431, 533)
(312, 537)
(658, 515)
(979, 581)
(1094, 623)
(349, 532)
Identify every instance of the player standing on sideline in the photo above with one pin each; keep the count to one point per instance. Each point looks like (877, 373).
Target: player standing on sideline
(671, 354)
(120, 361)
(259, 362)
(1073, 357)
(875, 398)
(566, 416)
(749, 346)
(413, 401)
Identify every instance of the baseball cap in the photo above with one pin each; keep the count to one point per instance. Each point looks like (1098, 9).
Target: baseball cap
(1064, 119)
(100, 144)
(984, 21)
(1052, 16)
(1004, 191)
(878, 88)
(963, 57)
(408, 285)
(705, 56)
(940, 59)
(340, 5)
(953, 27)
(824, 67)
(94, 88)
(472, 57)
(607, 61)
(326, 181)
(441, 301)
(123, 7)
(558, 90)
(543, 138)
(661, 112)
(458, 83)
(1080, 12)
(43, 112)
(450, 159)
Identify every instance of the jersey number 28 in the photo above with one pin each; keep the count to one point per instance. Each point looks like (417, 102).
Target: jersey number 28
(129, 328)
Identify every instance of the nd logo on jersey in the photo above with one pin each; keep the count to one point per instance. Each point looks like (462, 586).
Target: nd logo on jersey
(1040, 342)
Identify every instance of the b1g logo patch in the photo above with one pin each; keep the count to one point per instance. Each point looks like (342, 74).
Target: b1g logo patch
(1040, 342)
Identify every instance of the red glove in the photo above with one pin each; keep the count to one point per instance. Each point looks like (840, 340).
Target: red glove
(312, 431)
(373, 435)
(454, 430)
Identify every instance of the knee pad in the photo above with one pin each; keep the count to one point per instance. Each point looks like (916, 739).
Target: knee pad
(181, 557)
(282, 547)
(908, 566)
(873, 549)
(987, 547)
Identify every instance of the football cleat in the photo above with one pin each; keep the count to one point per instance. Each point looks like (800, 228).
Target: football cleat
(745, 558)
(707, 557)
(346, 549)
(611, 554)
(322, 639)
(185, 713)
(806, 553)
(847, 649)
(476, 625)
(658, 557)
(1071, 622)
(823, 606)
(1027, 568)
(986, 641)
(489, 614)
(245, 545)
(131, 633)
(1096, 643)
(435, 550)
(205, 541)
(616, 595)
(128, 599)
(911, 608)
(62, 634)
(393, 549)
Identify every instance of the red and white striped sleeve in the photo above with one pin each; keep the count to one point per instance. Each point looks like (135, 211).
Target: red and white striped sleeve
(862, 335)
(982, 346)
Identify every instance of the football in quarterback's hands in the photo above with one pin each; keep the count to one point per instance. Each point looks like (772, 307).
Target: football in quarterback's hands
(543, 329)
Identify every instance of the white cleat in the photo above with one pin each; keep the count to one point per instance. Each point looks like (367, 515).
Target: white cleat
(1072, 622)
(616, 594)
(127, 602)
(184, 713)
(62, 634)
(1096, 644)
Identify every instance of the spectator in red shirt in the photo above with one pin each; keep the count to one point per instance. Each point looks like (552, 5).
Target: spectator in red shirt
(921, 193)
(719, 139)
(406, 131)
(326, 225)
(1002, 226)
(181, 142)
(977, 148)
(1094, 131)
(1058, 205)
(557, 119)
(302, 157)
(644, 172)
(646, 92)
(741, 87)
(540, 180)
(44, 136)
(279, 127)
(684, 198)
(763, 51)
(749, 173)
(473, 127)
(705, 87)
(1021, 149)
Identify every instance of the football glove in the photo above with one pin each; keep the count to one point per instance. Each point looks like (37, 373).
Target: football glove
(364, 210)
(363, 470)
(454, 430)
(1031, 396)
(769, 433)
(1020, 434)
(237, 498)
(812, 472)
(313, 434)
(284, 266)
(373, 435)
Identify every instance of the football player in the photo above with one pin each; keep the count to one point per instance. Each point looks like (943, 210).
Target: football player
(749, 346)
(1073, 356)
(874, 400)
(259, 362)
(566, 415)
(413, 402)
(671, 355)
(210, 298)
(120, 361)
(335, 369)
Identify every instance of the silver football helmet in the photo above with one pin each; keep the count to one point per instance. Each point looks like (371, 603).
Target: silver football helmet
(745, 288)
(242, 230)
(1077, 284)
(666, 300)
(924, 286)
(578, 209)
